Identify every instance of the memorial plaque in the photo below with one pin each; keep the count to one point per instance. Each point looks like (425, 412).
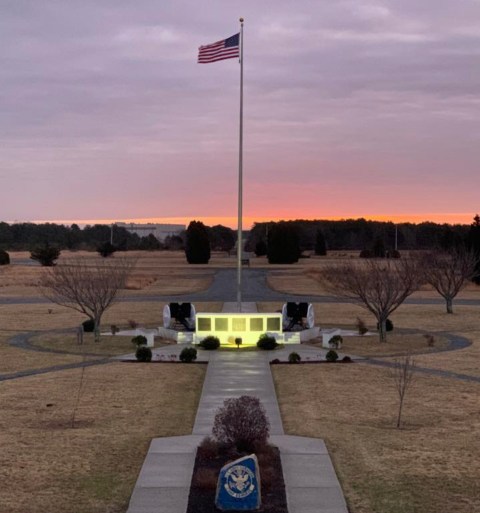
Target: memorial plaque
(273, 324)
(221, 324)
(204, 324)
(256, 324)
(238, 486)
(239, 324)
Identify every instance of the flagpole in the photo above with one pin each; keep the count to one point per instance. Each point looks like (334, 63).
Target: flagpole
(240, 180)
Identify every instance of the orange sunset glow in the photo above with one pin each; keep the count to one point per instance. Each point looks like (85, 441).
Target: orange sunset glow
(248, 221)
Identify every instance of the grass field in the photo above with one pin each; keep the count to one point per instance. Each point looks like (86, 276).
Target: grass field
(431, 466)
(46, 466)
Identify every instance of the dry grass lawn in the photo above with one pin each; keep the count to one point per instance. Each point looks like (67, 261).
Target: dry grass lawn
(431, 318)
(46, 466)
(431, 466)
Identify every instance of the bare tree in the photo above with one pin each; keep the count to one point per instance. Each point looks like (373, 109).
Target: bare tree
(403, 373)
(449, 271)
(379, 286)
(87, 287)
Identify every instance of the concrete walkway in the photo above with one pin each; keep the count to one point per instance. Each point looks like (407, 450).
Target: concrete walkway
(311, 483)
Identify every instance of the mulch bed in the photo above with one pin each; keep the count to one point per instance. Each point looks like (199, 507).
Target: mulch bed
(207, 468)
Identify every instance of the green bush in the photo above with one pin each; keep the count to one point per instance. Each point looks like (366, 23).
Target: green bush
(188, 355)
(4, 257)
(331, 356)
(335, 341)
(388, 325)
(346, 359)
(143, 354)
(267, 342)
(139, 340)
(294, 357)
(210, 343)
(88, 326)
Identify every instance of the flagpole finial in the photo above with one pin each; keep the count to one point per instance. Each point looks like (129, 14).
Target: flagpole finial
(241, 20)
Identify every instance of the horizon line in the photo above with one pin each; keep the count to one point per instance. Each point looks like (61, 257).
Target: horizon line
(231, 222)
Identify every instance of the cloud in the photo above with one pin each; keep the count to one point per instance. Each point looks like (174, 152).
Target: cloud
(104, 101)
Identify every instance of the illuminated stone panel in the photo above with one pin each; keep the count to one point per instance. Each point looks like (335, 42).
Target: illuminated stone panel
(228, 326)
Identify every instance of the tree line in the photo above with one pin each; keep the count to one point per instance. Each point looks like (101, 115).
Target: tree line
(359, 234)
(26, 236)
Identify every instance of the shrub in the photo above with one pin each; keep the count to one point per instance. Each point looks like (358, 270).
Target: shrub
(143, 354)
(88, 326)
(242, 422)
(430, 339)
(4, 257)
(361, 326)
(114, 329)
(267, 342)
(276, 360)
(106, 249)
(210, 343)
(395, 253)
(45, 255)
(346, 359)
(294, 357)
(388, 325)
(331, 356)
(335, 341)
(139, 340)
(132, 324)
(188, 355)
(209, 448)
(366, 253)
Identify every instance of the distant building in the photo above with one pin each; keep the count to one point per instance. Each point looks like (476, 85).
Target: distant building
(160, 231)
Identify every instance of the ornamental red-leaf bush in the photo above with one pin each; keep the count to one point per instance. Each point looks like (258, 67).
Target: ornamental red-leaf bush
(242, 422)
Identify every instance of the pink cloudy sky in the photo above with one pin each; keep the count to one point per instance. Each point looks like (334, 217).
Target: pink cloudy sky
(352, 109)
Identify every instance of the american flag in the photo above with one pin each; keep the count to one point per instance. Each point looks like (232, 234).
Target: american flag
(225, 49)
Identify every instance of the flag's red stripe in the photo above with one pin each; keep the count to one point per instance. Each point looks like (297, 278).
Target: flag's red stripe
(230, 51)
(219, 54)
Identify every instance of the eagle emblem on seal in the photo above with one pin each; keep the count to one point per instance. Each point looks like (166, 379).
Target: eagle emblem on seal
(239, 481)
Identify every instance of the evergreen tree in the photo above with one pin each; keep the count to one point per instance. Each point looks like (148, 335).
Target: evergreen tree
(260, 248)
(320, 244)
(474, 245)
(379, 248)
(283, 244)
(46, 255)
(4, 257)
(197, 246)
(106, 249)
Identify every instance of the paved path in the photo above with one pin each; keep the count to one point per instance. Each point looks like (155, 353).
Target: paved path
(310, 480)
(254, 288)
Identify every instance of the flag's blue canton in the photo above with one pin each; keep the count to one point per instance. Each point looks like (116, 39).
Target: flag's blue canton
(232, 40)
